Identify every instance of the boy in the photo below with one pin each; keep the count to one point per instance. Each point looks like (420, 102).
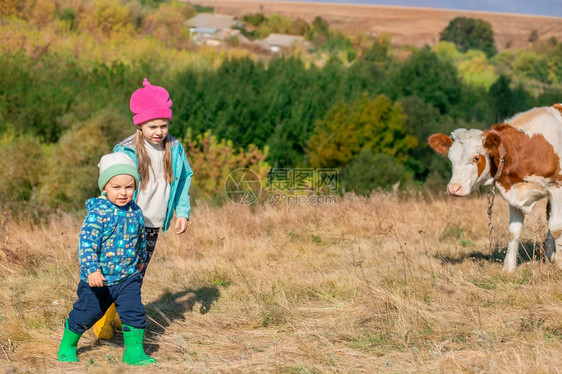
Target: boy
(112, 251)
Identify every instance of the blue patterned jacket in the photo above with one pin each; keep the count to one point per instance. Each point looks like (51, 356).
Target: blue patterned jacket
(112, 240)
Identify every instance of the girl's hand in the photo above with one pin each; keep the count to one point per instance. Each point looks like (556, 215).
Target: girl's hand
(181, 225)
(140, 266)
(96, 279)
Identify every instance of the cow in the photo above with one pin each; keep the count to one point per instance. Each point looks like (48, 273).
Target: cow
(523, 158)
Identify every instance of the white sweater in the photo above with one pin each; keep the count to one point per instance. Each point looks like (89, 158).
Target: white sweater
(153, 198)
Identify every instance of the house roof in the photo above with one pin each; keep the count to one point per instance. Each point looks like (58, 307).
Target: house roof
(282, 40)
(213, 20)
(204, 30)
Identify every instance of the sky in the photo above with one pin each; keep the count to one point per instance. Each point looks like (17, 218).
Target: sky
(552, 8)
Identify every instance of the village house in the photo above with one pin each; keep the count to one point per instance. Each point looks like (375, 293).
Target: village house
(213, 29)
(277, 42)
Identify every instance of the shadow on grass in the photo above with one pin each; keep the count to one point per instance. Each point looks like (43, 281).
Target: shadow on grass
(528, 251)
(160, 314)
(172, 306)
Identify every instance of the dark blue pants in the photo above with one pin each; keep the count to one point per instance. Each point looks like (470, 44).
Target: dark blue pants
(93, 302)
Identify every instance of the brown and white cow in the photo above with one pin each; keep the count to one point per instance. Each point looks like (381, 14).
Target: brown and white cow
(523, 157)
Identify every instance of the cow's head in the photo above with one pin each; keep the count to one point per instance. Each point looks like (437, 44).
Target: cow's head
(469, 152)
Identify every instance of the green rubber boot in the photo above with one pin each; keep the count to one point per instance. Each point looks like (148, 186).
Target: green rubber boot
(134, 352)
(67, 348)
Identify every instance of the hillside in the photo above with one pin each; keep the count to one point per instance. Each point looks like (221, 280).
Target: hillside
(415, 26)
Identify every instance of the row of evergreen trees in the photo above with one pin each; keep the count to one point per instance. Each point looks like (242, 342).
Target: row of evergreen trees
(370, 119)
(355, 103)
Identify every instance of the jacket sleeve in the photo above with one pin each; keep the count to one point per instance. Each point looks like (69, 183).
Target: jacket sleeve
(89, 243)
(183, 204)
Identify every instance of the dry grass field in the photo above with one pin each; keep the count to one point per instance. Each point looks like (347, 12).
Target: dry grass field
(367, 285)
(414, 26)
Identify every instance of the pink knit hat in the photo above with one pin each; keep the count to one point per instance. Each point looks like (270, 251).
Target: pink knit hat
(150, 102)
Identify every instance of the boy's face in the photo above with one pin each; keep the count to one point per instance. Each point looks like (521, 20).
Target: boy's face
(155, 131)
(120, 189)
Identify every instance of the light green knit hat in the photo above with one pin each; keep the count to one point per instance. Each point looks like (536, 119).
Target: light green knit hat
(114, 164)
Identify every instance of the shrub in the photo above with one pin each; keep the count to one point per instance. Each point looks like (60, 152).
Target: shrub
(370, 171)
(166, 24)
(11, 7)
(71, 173)
(533, 36)
(105, 17)
(254, 19)
(212, 160)
(21, 163)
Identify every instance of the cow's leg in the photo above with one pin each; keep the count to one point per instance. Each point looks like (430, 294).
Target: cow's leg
(550, 244)
(555, 228)
(516, 218)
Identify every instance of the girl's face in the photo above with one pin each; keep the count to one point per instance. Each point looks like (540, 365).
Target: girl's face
(120, 189)
(155, 131)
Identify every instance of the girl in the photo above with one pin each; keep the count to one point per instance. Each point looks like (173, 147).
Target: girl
(165, 174)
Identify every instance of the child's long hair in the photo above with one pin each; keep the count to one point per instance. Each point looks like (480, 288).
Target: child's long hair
(145, 163)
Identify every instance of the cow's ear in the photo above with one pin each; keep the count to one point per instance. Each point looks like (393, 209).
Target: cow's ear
(491, 142)
(440, 143)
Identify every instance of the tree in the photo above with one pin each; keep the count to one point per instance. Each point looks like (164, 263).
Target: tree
(376, 124)
(299, 27)
(319, 31)
(554, 57)
(379, 51)
(433, 80)
(470, 33)
(506, 101)
(246, 102)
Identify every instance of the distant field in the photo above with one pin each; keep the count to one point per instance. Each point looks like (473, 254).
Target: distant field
(378, 285)
(415, 26)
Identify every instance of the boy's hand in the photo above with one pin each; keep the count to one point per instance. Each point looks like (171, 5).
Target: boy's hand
(181, 225)
(140, 266)
(96, 279)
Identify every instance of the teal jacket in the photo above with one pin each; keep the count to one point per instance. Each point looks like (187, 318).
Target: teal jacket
(179, 189)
